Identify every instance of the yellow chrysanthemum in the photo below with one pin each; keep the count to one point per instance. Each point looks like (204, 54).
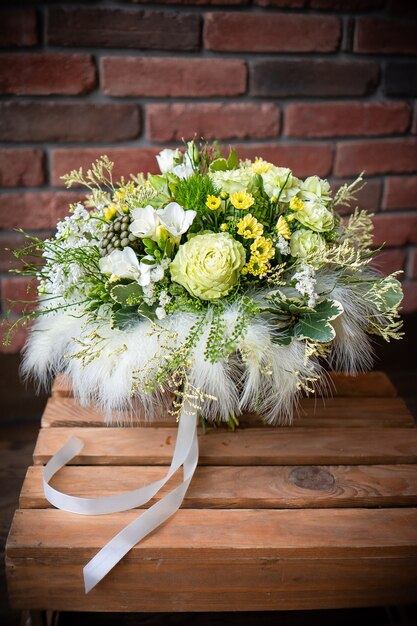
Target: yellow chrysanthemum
(283, 228)
(213, 203)
(296, 204)
(249, 227)
(255, 266)
(110, 212)
(263, 249)
(242, 200)
(260, 166)
(224, 227)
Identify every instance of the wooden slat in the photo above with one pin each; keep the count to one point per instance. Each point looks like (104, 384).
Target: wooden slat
(255, 446)
(314, 412)
(218, 560)
(369, 384)
(243, 487)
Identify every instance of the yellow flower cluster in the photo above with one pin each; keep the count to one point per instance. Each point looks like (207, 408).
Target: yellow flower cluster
(242, 200)
(283, 228)
(296, 204)
(249, 227)
(260, 166)
(213, 203)
(262, 251)
(110, 212)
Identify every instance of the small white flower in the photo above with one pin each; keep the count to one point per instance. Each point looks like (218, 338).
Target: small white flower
(306, 283)
(145, 223)
(175, 220)
(124, 264)
(166, 159)
(160, 312)
(283, 246)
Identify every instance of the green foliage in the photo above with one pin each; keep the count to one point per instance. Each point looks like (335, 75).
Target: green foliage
(191, 193)
(221, 165)
(130, 294)
(294, 319)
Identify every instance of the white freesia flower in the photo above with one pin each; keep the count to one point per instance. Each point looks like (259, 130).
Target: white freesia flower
(183, 170)
(166, 159)
(145, 223)
(175, 220)
(124, 264)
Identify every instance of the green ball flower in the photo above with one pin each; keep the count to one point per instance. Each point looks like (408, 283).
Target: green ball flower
(209, 265)
(305, 243)
(315, 216)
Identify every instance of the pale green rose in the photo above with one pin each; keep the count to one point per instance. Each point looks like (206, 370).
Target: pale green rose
(208, 266)
(280, 182)
(314, 215)
(232, 180)
(314, 187)
(305, 243)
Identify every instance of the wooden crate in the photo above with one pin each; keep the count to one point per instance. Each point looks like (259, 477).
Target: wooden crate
(319, 515)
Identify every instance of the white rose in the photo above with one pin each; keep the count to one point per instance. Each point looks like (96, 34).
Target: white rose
(305, 243)
(315, 216)
(314, 187)
(280, 182)
(145, 223)
(175, 220)
(166, 159)
(124, 264)
(232, 180)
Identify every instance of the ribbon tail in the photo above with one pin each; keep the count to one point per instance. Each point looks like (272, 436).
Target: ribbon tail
(157, 514)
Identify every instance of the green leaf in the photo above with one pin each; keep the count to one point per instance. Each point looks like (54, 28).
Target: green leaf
(158, 182)
(219, 165)
(315, 328)
(124, 317)
(393, 295)
(232, 160)
(329, 309)
(148, 261)
(127, 294)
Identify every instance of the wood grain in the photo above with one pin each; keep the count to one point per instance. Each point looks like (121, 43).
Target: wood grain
(369, 384)
(314, 412)
(243, 487)
(218, 560)
(255, 446)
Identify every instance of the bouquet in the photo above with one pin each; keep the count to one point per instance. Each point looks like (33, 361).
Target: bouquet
(231, 283)
(216, 287)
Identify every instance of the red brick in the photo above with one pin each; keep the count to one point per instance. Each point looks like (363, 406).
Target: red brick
(409, 304)
(17, 338)
(388, 36)
(395, 230)
(327, 5)
(45, 74)
(400, 192)
(173, 122)
(340, 119)
(35, 210)
(412, 264)
(107, 27)
(169, 76)
(368, 198)
(190, 2)
(277, 77)
(271, 32)
(126, 161)
(18, 294)
(21, 167)
(68, 121)
(376, 157)
(303, 159)
(18, 28)
(389, 261)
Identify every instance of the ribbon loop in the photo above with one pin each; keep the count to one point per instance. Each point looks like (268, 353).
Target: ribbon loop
(185, 455)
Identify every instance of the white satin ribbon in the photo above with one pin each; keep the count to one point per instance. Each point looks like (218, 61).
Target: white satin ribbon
(185, 454)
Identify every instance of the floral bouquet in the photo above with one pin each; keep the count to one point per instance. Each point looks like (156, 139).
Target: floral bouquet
(230, 283)
(216, 287)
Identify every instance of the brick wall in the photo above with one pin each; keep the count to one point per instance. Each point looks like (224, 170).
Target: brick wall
(322, 86)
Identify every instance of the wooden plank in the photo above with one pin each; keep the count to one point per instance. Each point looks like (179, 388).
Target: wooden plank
(368, 384)
(274, 558)
(254, 446)
(243, 487)
(314, 412)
